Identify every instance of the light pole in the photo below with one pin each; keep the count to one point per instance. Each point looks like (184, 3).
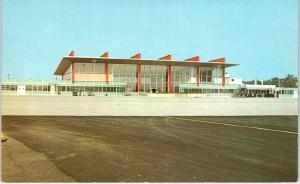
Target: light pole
(29, 68)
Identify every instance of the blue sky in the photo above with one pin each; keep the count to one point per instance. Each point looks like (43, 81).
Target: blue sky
(260, 35)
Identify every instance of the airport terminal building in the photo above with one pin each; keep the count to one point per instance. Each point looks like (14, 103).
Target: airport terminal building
(105, 76)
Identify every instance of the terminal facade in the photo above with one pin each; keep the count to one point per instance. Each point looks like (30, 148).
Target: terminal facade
(138, 76)
(99, 76)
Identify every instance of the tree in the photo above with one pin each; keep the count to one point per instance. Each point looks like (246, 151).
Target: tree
(289, 81)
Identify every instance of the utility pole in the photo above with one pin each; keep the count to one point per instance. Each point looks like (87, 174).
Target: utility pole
(29, 68)
(279, 79)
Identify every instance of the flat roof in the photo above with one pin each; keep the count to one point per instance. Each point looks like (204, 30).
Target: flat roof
(67, 60)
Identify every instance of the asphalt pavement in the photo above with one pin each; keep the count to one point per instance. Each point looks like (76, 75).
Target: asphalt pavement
(160, 149)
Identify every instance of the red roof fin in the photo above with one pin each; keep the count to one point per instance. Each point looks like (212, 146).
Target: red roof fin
(220, 60)
(137, 56)
(105, 55)
(72, 53)
(167, 57)
(196, 58)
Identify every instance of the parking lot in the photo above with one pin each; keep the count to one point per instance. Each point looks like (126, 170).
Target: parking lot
(142, 149)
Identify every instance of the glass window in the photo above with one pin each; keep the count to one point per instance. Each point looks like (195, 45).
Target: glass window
(28, 88)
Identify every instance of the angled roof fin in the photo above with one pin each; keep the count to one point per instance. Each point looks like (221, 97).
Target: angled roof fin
(137, 56)
(220, 60)
(105, 55)
(72, 53)
(167, 57)
(196, 58)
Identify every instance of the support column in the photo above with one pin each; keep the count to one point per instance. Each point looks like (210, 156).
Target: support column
(169, 79)
(223, 77)
(139, 79)
(197, 81)
(106, 73)
(73, 74)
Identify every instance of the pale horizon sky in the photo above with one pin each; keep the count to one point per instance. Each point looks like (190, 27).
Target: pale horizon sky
(260, 35)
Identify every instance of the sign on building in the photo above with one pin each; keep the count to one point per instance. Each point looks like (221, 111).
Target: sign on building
(21, 90)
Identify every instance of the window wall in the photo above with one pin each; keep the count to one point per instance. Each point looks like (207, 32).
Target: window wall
(125, 73)
(205, 74)
(182, 74)
(68, 74)
(217, 75)
(86, 90)
(153, 78)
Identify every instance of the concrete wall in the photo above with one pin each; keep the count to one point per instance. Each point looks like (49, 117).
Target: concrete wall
(145, 106)
(90, 72)
(91, 77)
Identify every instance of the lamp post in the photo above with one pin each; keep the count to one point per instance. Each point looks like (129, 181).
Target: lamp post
(29, 68)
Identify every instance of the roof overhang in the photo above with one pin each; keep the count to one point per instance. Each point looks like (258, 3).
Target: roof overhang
(68, 60)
